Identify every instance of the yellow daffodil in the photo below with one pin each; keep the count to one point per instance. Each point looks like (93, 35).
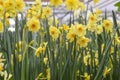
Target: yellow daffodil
(95, 1)
(47, 11)
(96, 54)
(45, 60)
(112, 49)
(11, 13)
(20, 5)
(38, 51)
(19, 57)
(54, 32)
(92, 27)
(98, 11)
(72, 4)
(87, 59)
(71, 34)
(1, 2)
(92, 18)
(106, 72)
(1, 66)
(86, 76)
(99, 29)
(33, 24)
(7, 76)
(9, 4)
(2, 11)
(1, 27)
(80, 30)
(81, 6)
(56, 3)
(83, 41)
(19, 45)
(65, 27)
(107, 24)
(48, 74)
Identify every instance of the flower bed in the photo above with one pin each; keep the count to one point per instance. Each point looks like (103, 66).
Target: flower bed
(41, 48)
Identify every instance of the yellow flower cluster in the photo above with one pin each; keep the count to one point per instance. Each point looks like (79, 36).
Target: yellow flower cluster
(38, 11)
(95, 24)
(41, 49)
(88, 60)
(54, 32)
(19, 45)
(33, 24)
(11, 7)
(74, 5)
(78, 31)
(86, 76)
(3, 72)
(82, 38)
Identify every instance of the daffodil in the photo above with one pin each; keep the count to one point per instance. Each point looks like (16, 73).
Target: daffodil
(33, 24)
(7, 76)
(72, 4)
(106, 72)
(2, 10)
(11, 13)
(56, 3)
(19, 57)
(95, 1)
(54, 32)
(1, 2)
(9, 4)
(1, 27)
(19, 45)
(112, 49)
(81, 6)
(92, 18)
(86, 76)
(80, 30)
(1, 66)
(92, 27)
(99, 29)
(65, 27)
(45, 60)
(71, 34)
(107, 24)
(38, 51)
(20, 5)
(98, 11)
(83, 41)
(48, 74)
(87, 59)
(47, 11)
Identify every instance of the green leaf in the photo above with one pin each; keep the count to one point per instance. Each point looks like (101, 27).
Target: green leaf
(119, 9)
(117, 4)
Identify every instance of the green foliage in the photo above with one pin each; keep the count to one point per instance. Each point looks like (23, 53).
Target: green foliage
(118, 5)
